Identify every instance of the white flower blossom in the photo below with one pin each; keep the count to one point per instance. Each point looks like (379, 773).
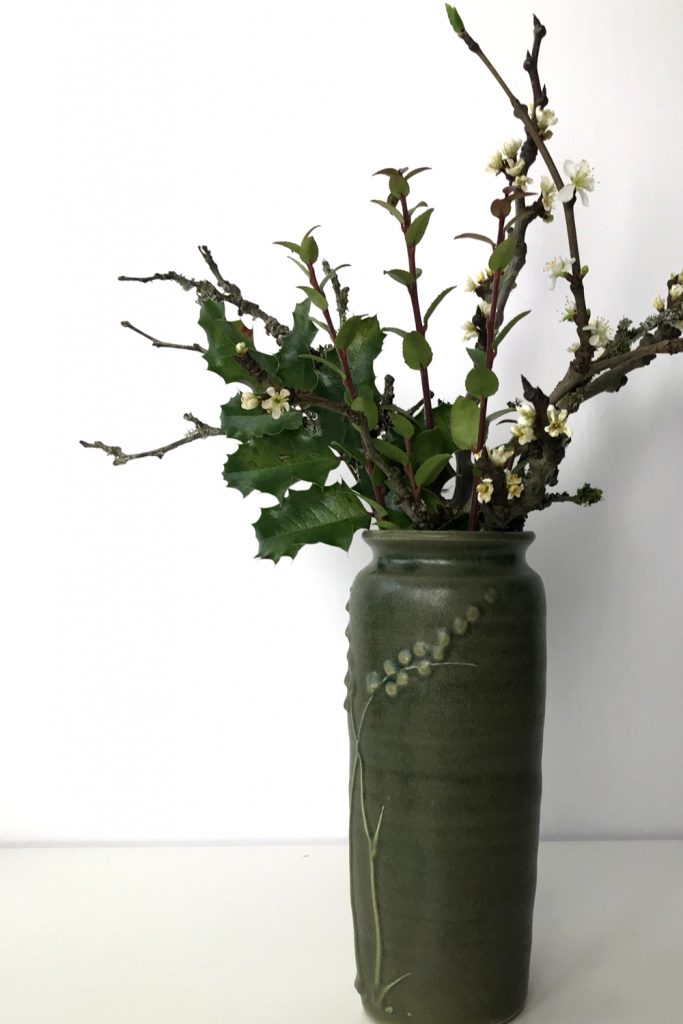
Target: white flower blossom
(557, 422)
(556, 268)
(495, 164)
(515, 484)
(477, 281)
(523, 430)
(277, 403)
(600, 332)
(659, 303)
(514, 168)
(470, 330)
(241, 348)
(485, 491)
(548, 194)
(522, 180)
(545, 119)
(676, 292)
(581, 181)
(569, 312)
(249, 401)
(511, 148)
(574, 347)
(500, 455)
(485, 308)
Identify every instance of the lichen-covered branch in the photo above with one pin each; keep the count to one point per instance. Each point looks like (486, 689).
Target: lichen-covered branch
(162, 344)
(200, 431)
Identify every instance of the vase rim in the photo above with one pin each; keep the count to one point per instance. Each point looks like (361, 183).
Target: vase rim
(448, 536)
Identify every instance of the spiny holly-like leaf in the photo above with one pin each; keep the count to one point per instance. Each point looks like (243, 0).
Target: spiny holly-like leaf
(431, 468)
(321, 515)
(416, 231)
(437, 302)
(502, 254)
(273, 464)
(416, 350)
(294, 364)
(503, 333)
(481, 382)
(392, 209)
(362, 348)
(247, 424)
(465, 423)
(391, 451)
(223, 335)
(314, 295)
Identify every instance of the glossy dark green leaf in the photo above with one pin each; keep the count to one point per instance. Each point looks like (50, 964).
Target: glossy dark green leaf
(391, 451)
(481, 383)
(321, 515)
(273, 464)
(417, 352)
(361, 351)
(426, 444)
(465, 423)
(437, 302)
(477, 355)
(402, 276)
(314, 295)
(245, 425)
(223, 335)
(416, 231)
(431, 468)
(364, 404)
(294, 364)
(502, 254)
(504, 331)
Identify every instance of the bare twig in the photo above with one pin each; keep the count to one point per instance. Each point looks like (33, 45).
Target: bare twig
(341, 294)
(201, 430)
(162, 344)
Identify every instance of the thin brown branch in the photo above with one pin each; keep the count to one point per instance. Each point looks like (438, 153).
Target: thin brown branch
(611, 374)
(162, 344)
(201, 430)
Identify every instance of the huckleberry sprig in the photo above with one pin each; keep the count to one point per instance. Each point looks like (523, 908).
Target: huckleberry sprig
(305, 404)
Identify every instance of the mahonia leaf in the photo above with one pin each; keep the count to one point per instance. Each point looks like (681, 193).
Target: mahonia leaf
(296, 371)
(321, 515)
(223, 335)
(273, 464)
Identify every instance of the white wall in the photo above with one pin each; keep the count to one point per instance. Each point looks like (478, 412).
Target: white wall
(159, 682)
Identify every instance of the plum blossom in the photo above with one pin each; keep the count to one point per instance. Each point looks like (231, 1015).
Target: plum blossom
(581, 181)
(557, 268)
(523, 429)
(676, 292)
(500, 455)
(545, 119)
(548, 195)
(470, 330)
(249, 401)
(515, 484)
(659, 303)
(557, 422)
(485, 491)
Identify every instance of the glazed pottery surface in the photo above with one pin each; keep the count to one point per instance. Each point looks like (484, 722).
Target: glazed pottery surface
(446, 699)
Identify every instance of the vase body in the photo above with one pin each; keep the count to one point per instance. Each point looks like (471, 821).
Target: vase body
(446, 701)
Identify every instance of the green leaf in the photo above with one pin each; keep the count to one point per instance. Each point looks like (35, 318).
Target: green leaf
(441, 415)
(478, 356)
(390, 451)
(503, 333)
(418, 170)
(398, 186)
(402, 425)
(416, 350)
(465, 423)
(321, 515)
(314, 295)
(290, 245)
(402, 276)
(437, 302)
(245, 425)
(273, 464)
(223, 335)
(364, 404)
(396, 330)
(299, 264)
(392, 209)
(426, 444)
(455, 19)
(309, 249)
(388, 171)
(430, 469)
(362, 350)
(334, 270)
(416, 231)
(327, 363)
(492, 416)
(481, 383)
(502, 254)
(293, 359)
(476, 237)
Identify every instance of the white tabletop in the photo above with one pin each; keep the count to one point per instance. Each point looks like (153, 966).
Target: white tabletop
(262, 934)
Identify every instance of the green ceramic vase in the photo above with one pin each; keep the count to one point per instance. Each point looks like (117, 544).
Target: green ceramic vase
(446, 701)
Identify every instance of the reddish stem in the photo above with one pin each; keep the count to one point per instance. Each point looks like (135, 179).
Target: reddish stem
(420, 326)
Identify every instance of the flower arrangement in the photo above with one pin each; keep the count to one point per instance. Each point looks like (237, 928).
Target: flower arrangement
(311, 410)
